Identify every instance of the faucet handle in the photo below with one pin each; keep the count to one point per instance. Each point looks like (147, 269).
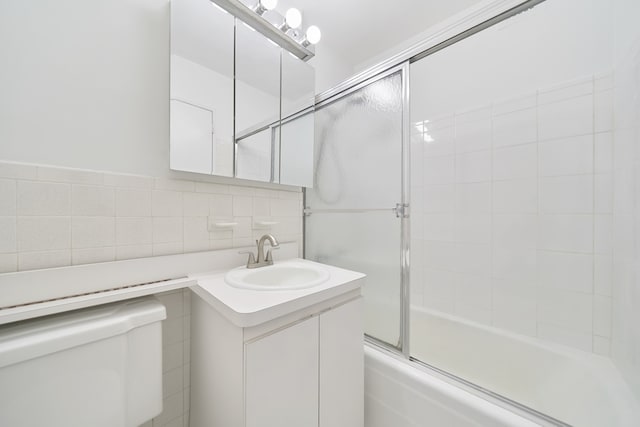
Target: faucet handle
(252, 257)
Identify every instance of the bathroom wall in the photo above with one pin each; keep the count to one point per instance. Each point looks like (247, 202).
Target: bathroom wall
(84, 158)
(626, 163)
(512, 176)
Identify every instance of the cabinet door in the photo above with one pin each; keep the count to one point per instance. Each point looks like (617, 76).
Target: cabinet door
(342, 366)
(281, 378)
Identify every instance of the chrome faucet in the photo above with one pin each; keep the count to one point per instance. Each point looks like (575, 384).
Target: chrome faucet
(262, 260)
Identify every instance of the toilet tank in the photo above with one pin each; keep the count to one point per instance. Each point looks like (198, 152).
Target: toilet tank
(98, 367)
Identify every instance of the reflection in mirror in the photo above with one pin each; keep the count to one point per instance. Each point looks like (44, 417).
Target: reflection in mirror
(254, 155)
(257, 104)
(296, 140)
(201, 107)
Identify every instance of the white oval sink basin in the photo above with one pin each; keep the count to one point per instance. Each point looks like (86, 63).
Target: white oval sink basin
(286, 275)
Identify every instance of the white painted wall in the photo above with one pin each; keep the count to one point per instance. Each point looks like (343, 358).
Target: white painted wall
(86, 84)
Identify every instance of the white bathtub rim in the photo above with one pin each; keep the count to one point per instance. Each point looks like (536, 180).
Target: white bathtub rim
(601, 367)
(446, 394)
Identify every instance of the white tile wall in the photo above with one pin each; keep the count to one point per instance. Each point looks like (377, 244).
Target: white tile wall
(53, 217)
(514, 213)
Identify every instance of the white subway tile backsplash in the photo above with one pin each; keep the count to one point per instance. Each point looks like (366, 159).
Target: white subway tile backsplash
(168, 248)
(166, 203)
(261, 206)
(473, 167)
(134, 231)
(133, 251)
(7, 197)
(128, 181)
(205, 187)
(515, 128)
(565, 118)
(93, 232)
(93, 255)
(519, 162)
(221, 206)
(566, 194)
(43, 199)
(567, 156)
(242, 206)
(8, 242)
(43, 233)
(92, 200)
(174, 185)
(45, 259)
(196, 204)
(168, 229)
(133, 202)
(8, 263)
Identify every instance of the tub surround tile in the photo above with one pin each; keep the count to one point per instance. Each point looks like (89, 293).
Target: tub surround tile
(43, 233)
(93, 232)
(44, 259)
(8, 263)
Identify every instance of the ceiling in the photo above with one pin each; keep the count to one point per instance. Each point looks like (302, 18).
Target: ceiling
(358, 30)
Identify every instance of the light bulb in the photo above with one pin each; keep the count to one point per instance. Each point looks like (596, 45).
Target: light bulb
(293, 18)
(313, 34)
(269, 4)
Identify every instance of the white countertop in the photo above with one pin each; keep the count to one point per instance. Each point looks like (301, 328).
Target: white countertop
(246, 308)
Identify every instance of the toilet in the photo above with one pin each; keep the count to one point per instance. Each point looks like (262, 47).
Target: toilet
(98, 367)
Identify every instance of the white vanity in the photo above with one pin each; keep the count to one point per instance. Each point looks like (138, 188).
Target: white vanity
(278, 358)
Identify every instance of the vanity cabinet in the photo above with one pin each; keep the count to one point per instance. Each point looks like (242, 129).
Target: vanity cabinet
(303, 369)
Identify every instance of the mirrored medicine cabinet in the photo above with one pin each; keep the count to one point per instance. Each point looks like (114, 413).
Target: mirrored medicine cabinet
(240, 105)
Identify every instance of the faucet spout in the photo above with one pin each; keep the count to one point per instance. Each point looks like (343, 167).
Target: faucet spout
(262, 259)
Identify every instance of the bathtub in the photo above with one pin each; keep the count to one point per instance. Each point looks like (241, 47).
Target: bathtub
(578, 388)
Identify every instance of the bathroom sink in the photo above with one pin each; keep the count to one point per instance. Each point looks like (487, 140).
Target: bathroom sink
(286, 275)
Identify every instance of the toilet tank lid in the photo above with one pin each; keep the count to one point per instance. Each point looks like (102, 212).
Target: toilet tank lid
(27, 340)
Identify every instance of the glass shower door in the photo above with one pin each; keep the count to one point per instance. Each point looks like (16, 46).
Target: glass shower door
(352, 216)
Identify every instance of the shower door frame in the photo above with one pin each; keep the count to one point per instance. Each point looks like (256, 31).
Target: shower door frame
(402, 209)
(479, 19)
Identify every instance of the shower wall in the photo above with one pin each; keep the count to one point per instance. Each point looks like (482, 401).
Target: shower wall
(512, 190)
(626, 163)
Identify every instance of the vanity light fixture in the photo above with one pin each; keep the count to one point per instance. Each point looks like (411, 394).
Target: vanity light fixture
(292, 20)
(264, 5)
(312, 36)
